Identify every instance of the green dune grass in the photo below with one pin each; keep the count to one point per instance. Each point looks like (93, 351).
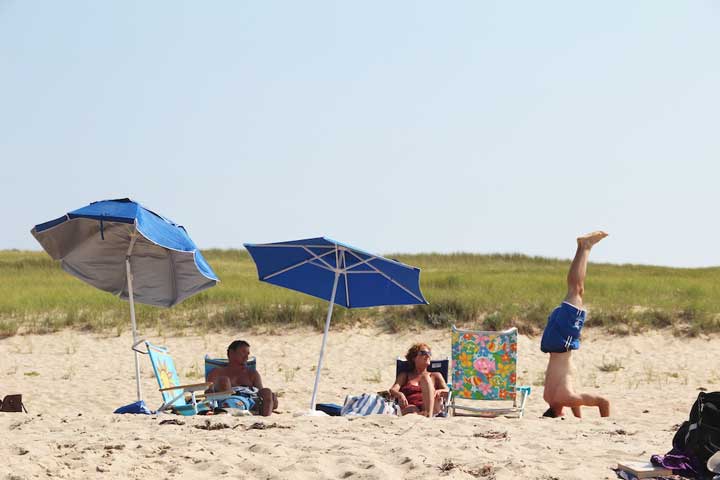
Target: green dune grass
(478, 291)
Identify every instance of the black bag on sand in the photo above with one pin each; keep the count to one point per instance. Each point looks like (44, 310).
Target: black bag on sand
(699, 437)
(12, 403)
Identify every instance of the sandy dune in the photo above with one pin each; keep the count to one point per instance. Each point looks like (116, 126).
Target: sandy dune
(72, 382)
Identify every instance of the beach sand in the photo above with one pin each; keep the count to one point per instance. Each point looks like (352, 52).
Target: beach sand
(71, 382)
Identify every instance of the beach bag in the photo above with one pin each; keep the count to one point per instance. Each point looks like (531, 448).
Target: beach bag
(368, 404)
(699, 437)
(12, 403)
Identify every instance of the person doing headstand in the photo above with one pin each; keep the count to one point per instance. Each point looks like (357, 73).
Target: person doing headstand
(562, 336)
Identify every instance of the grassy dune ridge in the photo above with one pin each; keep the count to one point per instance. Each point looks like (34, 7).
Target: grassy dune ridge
(480, 291)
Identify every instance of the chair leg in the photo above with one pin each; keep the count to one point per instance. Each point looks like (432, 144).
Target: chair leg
(524, 393)
(169, 404)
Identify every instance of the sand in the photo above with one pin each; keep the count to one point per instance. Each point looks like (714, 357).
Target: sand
(71, 382)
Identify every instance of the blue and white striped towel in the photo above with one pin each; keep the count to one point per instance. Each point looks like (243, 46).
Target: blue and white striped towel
(368, 404)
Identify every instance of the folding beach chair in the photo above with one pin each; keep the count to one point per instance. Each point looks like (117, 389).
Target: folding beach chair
(485, 368)
(442, 366)
(173, 393)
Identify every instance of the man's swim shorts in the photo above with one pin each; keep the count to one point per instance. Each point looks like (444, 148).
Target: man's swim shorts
(244, 398)
(562, 332)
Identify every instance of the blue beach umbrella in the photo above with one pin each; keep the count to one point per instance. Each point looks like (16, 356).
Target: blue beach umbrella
(123, 248)
(336, 272)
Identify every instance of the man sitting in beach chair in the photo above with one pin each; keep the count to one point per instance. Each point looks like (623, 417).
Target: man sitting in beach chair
(245, 381)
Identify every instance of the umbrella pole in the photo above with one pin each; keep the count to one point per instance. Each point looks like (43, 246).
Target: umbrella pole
(134, 326)
(324, 341)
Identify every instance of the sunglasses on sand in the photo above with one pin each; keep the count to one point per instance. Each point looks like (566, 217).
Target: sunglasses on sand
(425, 353)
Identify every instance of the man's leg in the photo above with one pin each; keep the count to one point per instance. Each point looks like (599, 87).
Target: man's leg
(267, 403)
(578, 268)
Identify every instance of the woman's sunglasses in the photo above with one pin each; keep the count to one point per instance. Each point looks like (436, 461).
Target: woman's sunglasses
(425, 353)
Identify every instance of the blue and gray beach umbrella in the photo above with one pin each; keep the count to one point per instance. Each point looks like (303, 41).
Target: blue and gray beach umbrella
(123, 248)
(338, 273)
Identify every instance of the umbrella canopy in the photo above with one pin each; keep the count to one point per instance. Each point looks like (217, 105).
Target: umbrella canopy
(339, 273)
(123, 248)
(310, 265)
(92, 243)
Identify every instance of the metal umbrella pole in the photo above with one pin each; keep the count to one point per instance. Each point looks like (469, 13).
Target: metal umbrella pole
(132, 314)
(324, 341)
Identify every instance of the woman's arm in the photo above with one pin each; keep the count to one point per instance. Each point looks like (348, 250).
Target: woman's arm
(440, 385)
(395, 390)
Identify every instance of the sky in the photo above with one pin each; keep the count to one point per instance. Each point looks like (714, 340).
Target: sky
(408, 126)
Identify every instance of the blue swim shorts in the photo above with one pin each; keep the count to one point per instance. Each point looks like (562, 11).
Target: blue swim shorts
(562, 332)
(242, 402)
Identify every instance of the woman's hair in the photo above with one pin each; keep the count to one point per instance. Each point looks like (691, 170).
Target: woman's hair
(413, 352)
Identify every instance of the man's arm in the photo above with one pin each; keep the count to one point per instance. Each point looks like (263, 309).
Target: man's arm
(212, 377)
(256, 380)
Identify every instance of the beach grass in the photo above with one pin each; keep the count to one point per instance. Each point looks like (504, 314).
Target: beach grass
(469, 290)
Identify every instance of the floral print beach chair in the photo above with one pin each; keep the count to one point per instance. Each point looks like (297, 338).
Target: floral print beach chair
(485, 368)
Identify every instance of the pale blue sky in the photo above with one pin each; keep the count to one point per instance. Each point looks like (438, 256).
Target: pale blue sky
(395, 126)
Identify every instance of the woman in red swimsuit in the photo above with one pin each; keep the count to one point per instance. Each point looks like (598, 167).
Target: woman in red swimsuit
(419, 391)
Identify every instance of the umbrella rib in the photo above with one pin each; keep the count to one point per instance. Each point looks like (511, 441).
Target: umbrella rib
(361, 262)
(319, 257)
(347, 287)
(300, 264)
(387, 277)
(295, 245)
(373, 257)
(173, 278)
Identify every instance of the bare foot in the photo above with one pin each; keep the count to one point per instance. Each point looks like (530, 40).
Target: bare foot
(590, 239)
(410, 409)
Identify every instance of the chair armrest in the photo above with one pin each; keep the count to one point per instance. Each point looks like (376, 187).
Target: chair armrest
(194, 387)
(218, 395)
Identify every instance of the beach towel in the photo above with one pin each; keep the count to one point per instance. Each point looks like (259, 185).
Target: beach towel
(368, 404)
